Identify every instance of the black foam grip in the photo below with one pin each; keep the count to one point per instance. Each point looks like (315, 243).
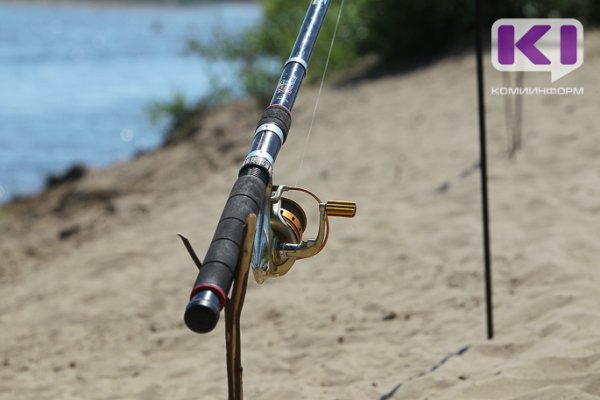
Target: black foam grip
(279, 116)
(220, 263)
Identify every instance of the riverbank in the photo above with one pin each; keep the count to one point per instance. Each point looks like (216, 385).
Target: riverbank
(94, 280)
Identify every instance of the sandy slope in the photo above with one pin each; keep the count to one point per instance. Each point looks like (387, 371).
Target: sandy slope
(98, 314)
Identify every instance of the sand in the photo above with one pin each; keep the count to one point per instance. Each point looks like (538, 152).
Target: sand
(94, 281)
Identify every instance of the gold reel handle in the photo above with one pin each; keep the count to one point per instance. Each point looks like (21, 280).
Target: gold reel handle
(340, 208)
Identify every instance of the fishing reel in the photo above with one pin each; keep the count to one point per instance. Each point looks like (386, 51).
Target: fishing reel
(281, 223)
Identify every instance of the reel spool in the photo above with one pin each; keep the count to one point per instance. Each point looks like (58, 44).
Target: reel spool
(281, 224)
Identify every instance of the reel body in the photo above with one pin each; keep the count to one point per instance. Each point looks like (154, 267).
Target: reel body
(281, 223)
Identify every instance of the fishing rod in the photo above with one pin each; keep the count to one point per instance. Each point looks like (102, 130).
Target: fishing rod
(281, 221)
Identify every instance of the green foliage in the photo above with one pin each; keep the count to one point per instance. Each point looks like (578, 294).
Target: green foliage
(400, 30)
(394, 30)
(272, 39)
(277, 32)
(175, 109)
(412, 28)
(586, 11)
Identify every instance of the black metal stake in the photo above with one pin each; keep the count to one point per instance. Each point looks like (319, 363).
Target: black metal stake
(484, 174)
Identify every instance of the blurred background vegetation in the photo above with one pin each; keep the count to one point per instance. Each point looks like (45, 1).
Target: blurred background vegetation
(394, 31)
(390, 31)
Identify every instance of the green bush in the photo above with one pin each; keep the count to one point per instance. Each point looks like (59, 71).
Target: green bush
(411, 28)
(394, 30)
(281, 21)
(586, 11)
(271, 40)
(400, 30)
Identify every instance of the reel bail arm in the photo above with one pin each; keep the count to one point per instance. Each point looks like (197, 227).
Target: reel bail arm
(278, 241)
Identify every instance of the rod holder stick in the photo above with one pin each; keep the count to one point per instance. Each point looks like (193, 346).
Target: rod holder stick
(233, 312)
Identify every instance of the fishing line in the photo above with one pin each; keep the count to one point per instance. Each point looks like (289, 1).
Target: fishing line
(434, 368)
(314, 114)
(513, 113)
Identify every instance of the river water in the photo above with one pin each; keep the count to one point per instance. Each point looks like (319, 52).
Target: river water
(76, 81)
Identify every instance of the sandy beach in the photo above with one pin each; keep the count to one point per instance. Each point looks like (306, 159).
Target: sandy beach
(94, 281)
